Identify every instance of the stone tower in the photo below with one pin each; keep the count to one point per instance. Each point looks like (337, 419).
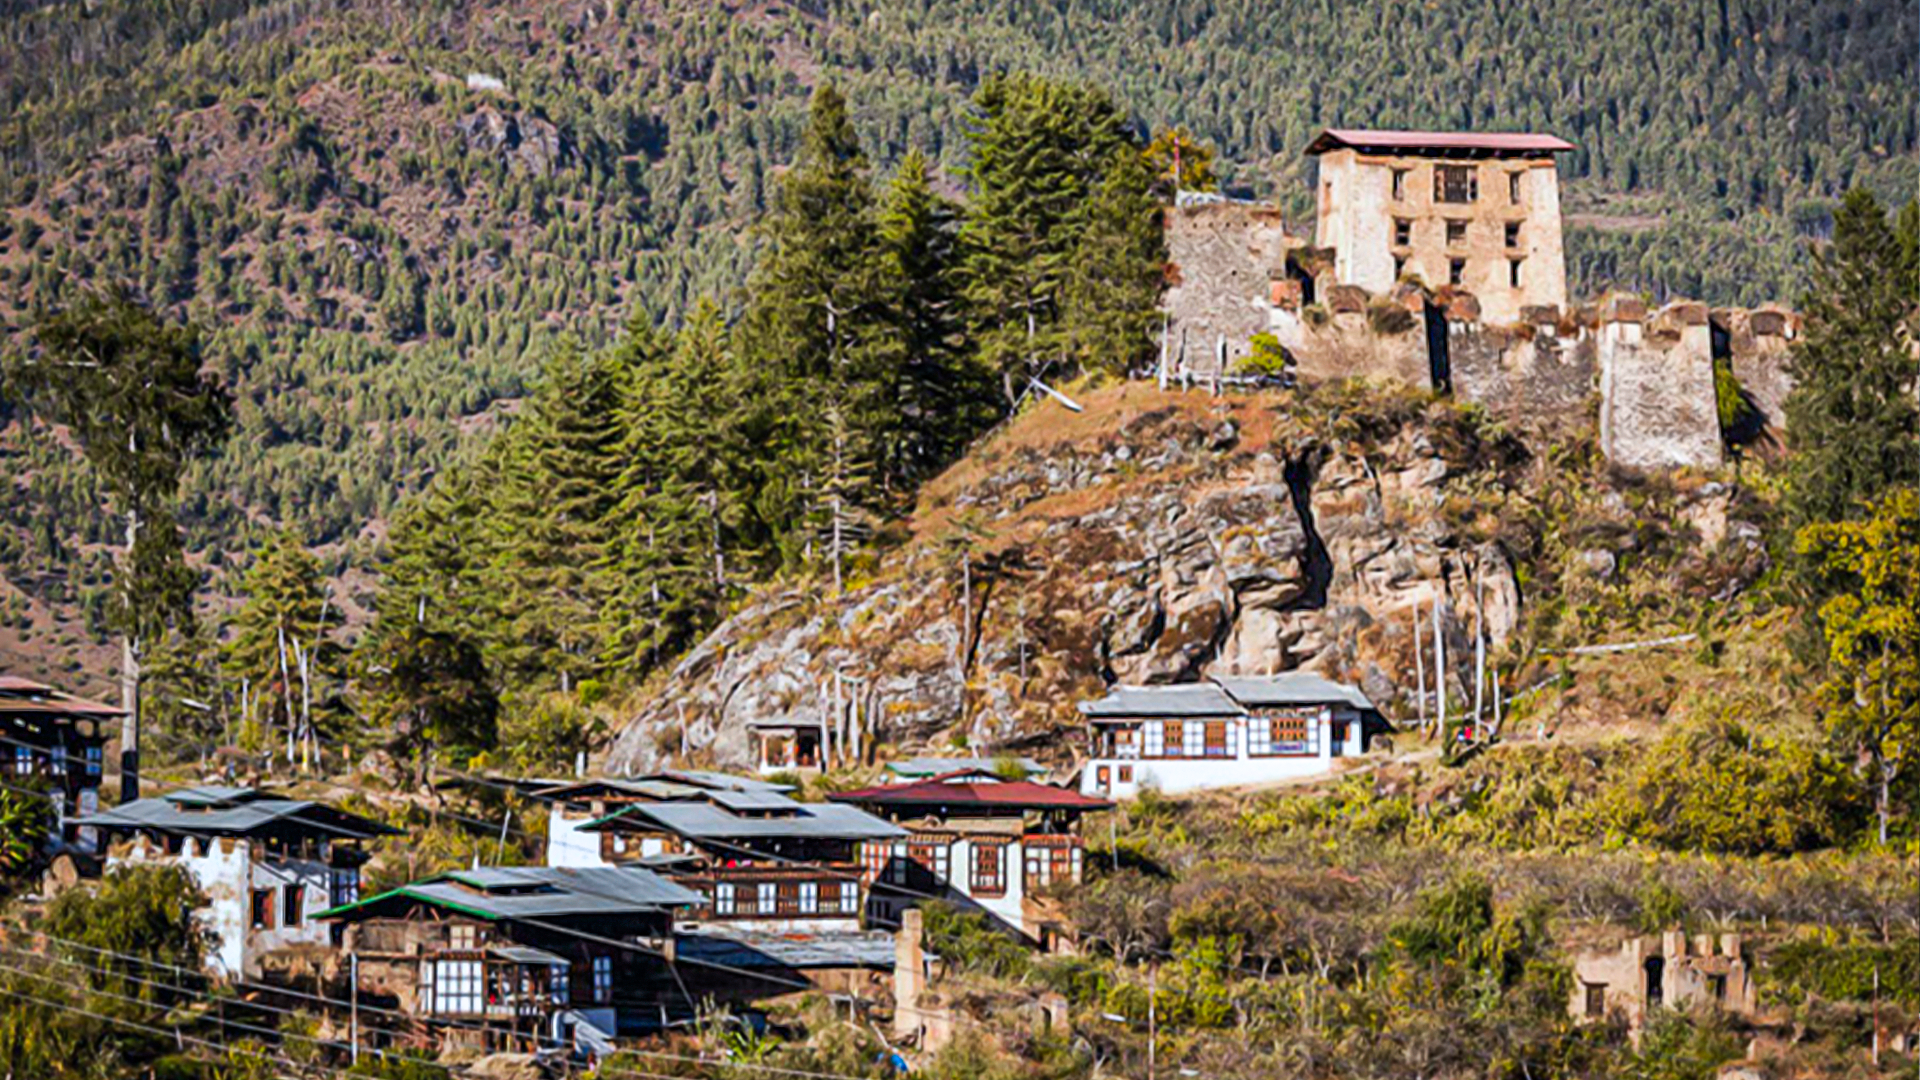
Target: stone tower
(1480, 212)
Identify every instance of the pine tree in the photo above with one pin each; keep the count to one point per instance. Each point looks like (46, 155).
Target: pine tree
(1039, 150)
(130, 391)
(281, 654)
(944, 397)
(1118, 271)
(550, 526)
(1851, 415)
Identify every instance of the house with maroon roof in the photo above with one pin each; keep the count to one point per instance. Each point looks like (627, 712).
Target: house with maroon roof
(53, 739)
(980, 841)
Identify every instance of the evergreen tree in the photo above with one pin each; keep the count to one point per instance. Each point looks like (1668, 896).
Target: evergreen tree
(281, 653)
(1851, 415)
(944, 396)
(130, 391)
(550, 526)
(1118, 272)
(1039, 151)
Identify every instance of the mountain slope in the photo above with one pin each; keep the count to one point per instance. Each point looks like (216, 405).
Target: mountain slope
(387, 213)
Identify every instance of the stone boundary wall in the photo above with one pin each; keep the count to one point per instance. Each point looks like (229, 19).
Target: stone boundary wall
(1220, 255)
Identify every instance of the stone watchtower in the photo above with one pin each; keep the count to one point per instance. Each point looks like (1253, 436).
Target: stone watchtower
(1480, 212)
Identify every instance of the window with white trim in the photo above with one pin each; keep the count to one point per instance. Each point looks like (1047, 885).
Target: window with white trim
(723, 899)
(93, 761)
(457, 986)
(1194, 739)
(558, 975)
(343, 886)
(1259, 737)
(602, 979)
(766, 897)
(809, 898)
(1156, 738)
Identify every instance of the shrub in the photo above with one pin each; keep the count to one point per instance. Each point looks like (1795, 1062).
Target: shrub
(968, 941)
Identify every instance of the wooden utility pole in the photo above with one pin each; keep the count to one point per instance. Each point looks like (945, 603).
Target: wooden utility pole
(1440, 668)
(353, 995)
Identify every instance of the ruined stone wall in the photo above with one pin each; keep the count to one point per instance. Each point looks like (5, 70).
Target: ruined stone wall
(1355, 336)
(1657, 406)
(1222, 256)
(1756, 343)
(1539, 373)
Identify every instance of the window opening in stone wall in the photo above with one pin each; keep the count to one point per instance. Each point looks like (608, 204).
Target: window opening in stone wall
(1399, 268)
(1513, 272)
(1455, 184)
(1596, 999)
(1513, 187)
(1456, 232)
(1513, 234)
(1456, 271)
(1402, 232)
(1399, 184)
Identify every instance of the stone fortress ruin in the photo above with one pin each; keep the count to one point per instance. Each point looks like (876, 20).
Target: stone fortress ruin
(1437, 262)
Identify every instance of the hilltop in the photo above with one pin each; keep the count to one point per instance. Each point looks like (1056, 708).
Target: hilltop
(1162, 536)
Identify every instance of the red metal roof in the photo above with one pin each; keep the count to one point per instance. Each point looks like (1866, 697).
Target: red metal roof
(21, 696)
(975, 788)
(1477, 142)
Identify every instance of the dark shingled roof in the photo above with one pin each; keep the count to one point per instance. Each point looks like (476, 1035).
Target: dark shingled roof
(1470, 143)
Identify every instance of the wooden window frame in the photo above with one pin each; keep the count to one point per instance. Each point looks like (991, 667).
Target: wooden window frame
(293, 905)
(1444, 187)
(994, 884)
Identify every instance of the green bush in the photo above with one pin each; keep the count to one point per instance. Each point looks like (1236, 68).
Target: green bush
(970, 942)
(1844, 972)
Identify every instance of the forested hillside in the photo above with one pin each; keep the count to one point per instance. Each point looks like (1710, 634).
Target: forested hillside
(387, 215)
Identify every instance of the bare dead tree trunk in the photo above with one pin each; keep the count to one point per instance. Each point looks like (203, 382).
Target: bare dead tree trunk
(130, 683)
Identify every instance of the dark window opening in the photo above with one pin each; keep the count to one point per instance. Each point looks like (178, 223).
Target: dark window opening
(1717, 986)
(1656, 969)
(1596, 999)
(1513, 187)
(1455, 184)
(1399, 184)
(261, 912)
(1456, 271)
(1513, 272)
(1456, 233)
(292, 904)
(1402, 232)
(1513, 234)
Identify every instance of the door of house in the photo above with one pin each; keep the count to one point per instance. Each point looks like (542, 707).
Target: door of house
(1103, 779)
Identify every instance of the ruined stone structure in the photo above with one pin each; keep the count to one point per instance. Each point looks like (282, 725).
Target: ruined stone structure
(1221, 254)
(1668, 970)
(1470, 210)
(1657, 406)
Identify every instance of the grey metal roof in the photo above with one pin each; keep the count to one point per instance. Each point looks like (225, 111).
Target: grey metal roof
(1176, 700)
(939, 766)
(779, 723)
(221, 811)
(707, 778)
(1291, 688)
(535, 892)
(753, 800)
(643, 787)
(736, 948)
(525, 954)
(704, 821)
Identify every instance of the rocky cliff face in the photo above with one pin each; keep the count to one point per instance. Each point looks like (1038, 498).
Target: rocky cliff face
(1154, 538)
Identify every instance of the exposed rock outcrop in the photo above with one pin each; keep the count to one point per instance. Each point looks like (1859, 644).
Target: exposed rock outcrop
(1161, 538)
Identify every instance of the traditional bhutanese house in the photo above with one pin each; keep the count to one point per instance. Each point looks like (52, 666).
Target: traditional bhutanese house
(786, 744)
(1224, 733)
(980, 841)
(268, 865)
(573, 804)
(508, 957)
(56, 739)
(760, 861)
(926, 768)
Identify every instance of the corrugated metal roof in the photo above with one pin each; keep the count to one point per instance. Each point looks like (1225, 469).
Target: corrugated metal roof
(1485, 142)
(1291, 688)
(525, 954)
(1177, 700)
(753, 800)
(736, 948)
(973, 789)
(533, 892)
(232, 812)
(725, 781)
(936, 766)
(704, 821)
